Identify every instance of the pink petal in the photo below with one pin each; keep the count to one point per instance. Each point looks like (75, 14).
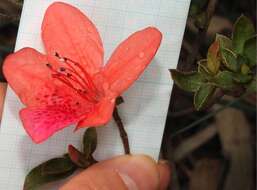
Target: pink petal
(69, 32)
(130, 59)
(41, 123)
(101, 114)
(27, 74)
(30, 78)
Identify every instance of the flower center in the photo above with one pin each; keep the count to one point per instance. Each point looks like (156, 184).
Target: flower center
(76, 77)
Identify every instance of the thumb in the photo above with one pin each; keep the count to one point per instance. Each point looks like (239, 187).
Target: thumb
(122, 173)
(2, 96)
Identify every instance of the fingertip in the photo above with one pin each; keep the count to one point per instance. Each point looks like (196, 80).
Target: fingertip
(165, 173)
(137, 171)
(3, 87)
(123, 172)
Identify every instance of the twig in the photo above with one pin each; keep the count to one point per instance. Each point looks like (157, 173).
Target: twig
(218, 96)
(210, 115)
(182, 112)
(123, 133)
(189, 145)
(202, 32)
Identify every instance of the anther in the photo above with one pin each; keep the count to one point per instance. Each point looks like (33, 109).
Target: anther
(56, 55)
(62, 69)
(49, 65)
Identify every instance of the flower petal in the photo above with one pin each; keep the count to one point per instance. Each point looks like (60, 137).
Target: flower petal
(26, 73)
(131, 58)
(101, 115)
(71, 34)
(41, 123)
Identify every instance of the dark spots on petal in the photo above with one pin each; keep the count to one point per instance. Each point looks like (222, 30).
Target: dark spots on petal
(49, 65)
(62, 69)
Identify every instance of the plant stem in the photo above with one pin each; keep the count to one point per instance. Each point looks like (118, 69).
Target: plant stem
(210, 115)
(123, 133)
(182, 112)
(202, 32)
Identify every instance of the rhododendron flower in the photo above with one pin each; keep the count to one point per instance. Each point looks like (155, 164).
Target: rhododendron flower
(70, 84)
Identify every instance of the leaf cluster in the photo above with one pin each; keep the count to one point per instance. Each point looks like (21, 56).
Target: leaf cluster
(62, 167)
(229, 66)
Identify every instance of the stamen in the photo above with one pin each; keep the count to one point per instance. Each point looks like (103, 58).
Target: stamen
(70, 76)
(63, 80)
(62, 69)
(49, 65)
(90, 82)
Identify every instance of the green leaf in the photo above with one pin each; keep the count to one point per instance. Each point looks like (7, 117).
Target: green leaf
(225, 80)
(245, 69)
(89, 142)
(241, 78)
(50, 171)
(213, 60)
(224, 41)
(57, 166)
(241, 60)
(78, 158)
(252, 86)
(203, 70)
(250, 50)
(243, 30)
(187, 81)
(229, 59)
(202, 95)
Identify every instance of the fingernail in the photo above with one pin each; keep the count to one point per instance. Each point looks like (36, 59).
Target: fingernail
(128, 181)
(138, 173)
(164, 172)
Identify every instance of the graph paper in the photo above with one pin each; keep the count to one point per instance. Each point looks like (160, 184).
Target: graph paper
(146, 102)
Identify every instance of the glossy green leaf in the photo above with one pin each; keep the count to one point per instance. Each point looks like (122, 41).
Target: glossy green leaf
(203, 70)
(245, 69)
(224, 41)
(250, 50)
(56, 166)
(213, 60)
(225, 80)
(241, 60)
(202, 95)
(243, 30)
(89, 142)
(187, 81)
(241, 78)
(229, 59)
(78, 158)
(50, 171)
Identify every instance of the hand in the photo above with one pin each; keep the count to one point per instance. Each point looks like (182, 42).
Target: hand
(2, 96)
(122, 173)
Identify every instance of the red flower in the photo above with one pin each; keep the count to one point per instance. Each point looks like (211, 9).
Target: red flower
(70, 84)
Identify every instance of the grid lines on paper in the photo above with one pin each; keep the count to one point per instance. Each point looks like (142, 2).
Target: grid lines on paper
(146, 102)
